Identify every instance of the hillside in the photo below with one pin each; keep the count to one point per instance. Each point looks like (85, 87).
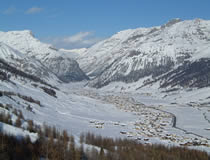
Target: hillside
(61, 65)
(131, 55)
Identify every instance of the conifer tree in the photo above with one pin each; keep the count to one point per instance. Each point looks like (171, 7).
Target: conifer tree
(72, 148)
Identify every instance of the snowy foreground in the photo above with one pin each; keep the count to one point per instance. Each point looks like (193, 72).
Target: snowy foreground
(150, 118)
(145, 116)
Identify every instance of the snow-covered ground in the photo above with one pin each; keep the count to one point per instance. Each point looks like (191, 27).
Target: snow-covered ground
(18, 132)
(159, 119)
(69, 111)
(147, 116)
(153, 114)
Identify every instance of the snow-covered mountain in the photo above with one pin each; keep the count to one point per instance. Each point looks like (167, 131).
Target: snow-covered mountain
(137, 53)
(62, 65)
(25, 63)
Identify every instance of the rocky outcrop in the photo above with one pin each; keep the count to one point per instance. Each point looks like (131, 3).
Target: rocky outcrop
(66, 69)
(191, 74)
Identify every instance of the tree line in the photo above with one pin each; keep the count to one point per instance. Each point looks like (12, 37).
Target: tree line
(54, 145)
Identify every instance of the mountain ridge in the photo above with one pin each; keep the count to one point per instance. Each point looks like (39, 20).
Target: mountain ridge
(136, 53)
(62, 65)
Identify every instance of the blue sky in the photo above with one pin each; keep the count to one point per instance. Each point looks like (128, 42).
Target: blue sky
(81, 23)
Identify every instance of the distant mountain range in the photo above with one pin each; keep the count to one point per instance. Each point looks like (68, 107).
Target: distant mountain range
(174, 54)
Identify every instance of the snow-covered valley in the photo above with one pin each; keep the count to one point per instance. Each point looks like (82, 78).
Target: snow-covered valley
(170, 105)
(146, 118)
(156, 120)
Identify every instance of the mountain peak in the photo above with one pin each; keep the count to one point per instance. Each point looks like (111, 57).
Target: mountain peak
(23, 33)
(175, 20)
(172, 22)
(60, 64)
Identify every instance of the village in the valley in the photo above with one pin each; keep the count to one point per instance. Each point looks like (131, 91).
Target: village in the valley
(153, 123)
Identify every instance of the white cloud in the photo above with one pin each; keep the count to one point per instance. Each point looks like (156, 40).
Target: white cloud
(9, 10)
(77, 37)
(34, 10)
(79, 40)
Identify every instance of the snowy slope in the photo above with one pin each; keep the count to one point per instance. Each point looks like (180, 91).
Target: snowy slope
(67, 110)
(136, 53)
(18, 132)
(73, 53)
(26, 43)
(85, 110)
(9, 53)
(24, 63)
